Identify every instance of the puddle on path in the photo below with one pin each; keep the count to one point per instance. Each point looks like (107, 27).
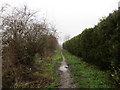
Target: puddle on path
(63, 68)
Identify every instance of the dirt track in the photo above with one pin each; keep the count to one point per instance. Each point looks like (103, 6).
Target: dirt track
(65, 77)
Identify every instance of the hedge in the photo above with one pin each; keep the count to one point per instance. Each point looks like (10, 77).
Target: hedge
(99, 45)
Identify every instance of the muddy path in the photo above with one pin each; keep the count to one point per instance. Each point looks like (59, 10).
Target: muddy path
(64, 75)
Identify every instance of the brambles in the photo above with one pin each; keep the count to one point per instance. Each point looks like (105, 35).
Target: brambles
(23, 37)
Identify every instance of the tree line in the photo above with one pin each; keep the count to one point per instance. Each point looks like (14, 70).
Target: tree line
(23, 36)
(100, 45)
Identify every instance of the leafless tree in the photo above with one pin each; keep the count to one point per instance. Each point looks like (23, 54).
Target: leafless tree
(23, 37)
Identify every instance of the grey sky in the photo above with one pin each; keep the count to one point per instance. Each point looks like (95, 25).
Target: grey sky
(70, 17)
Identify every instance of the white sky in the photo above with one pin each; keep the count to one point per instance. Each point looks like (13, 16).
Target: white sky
(70, 17)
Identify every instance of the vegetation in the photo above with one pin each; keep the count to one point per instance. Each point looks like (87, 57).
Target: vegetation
(30, 51)
(57, 55)
(52, 67)
(100, 45)
(44, 72)
(24, 38)
(85, 74)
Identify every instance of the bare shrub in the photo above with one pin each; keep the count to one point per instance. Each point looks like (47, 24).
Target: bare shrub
(23, 37)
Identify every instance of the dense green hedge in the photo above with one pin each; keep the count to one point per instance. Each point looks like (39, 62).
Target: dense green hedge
(99, 45)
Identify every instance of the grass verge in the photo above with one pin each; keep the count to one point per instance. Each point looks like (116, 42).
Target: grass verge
(57, 55)
(50, 68)
(44, 74)
(86, 75)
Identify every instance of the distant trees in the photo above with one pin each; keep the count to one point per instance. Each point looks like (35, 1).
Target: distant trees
(23, 37)
(66, 37)
(100, 45)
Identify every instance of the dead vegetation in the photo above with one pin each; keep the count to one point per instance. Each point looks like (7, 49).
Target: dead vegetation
(23, 37)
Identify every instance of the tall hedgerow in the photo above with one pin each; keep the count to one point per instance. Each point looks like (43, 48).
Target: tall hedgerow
(100, 45)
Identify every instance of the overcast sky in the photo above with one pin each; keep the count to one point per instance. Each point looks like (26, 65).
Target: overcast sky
(70, 17)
